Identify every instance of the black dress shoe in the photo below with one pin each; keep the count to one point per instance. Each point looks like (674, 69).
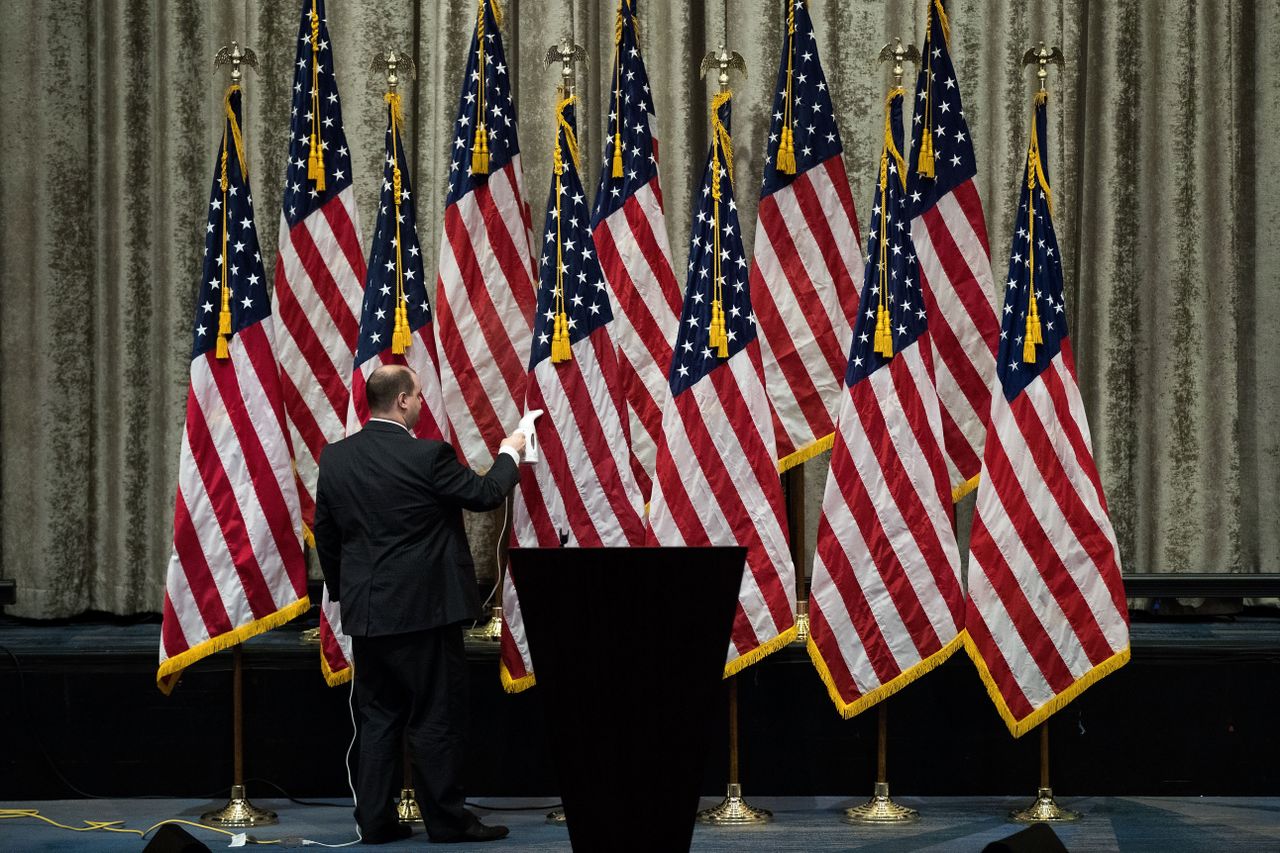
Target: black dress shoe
(399, 832)
(476, 832)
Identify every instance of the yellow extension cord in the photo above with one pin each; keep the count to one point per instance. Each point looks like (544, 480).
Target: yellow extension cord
(111, 825)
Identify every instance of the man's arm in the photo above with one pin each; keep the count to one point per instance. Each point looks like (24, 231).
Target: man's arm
(328, 542)
(458, 484)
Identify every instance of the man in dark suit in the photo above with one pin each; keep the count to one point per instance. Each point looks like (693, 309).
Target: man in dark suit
(389, 535)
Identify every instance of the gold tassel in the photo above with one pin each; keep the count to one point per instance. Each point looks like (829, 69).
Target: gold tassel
(400, 336)
(925, 165)
(1033, 336)
(1028, 350)
(884, 334)
(560, 349)
(719, 339)
(224, 321)
(787, 152)
(315, 166)
(480, 152)
(617, 155)
(221, 350)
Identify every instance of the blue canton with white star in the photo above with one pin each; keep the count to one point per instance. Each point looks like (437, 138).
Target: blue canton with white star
(301, 197)
(245, 277)
(953, 159)
(813, 121)
(586, 297)
(639, 158)
(500, 112)
(693, 357)
(890, 223)
(378, 315)
(1014, 373)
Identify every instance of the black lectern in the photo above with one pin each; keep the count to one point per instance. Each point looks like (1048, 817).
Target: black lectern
(628, 646)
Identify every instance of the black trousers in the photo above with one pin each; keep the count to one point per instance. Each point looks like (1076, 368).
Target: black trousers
(416, 685)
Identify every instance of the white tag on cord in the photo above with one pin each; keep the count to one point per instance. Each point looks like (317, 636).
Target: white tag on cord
(239, 839)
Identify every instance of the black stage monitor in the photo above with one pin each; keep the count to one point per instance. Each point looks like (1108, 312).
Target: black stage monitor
(628, 648)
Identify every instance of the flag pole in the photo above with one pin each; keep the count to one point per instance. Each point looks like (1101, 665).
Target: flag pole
(238, 812)
(1045, 808)
(881, 809)
(733, 810)
(566, 52)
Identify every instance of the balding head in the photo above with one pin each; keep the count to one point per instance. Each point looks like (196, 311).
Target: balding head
(384, 387)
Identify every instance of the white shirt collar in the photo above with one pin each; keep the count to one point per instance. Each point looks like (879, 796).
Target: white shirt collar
(389, 421)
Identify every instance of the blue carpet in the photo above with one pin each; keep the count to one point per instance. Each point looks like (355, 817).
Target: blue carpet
(1167, 825)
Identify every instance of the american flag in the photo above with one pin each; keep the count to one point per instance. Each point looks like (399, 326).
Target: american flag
(716, 481)
(950, 235)
(395, 328)
(581, 491)
(237, 565)
(630, 233)
(806, 252)
(1047, 615)
(886, 603)
(484, 291)
(395, 320)
(320, 266)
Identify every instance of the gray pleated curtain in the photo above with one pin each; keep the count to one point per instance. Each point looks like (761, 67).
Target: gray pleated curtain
(1164, 145)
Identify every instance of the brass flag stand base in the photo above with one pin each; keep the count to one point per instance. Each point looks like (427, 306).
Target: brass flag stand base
(880, 809)
(491, 631)
(1045, 808)
(310, 637)
(733, 810)
(407, 810)
(239, 813)
(556, 817)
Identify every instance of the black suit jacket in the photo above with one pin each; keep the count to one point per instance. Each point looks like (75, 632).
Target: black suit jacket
(389, 532)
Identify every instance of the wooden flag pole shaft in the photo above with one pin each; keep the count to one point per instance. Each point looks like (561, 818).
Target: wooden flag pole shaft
(237, 703)
(733, 731)
(238, 812)
(1044, 755)
(882, 743)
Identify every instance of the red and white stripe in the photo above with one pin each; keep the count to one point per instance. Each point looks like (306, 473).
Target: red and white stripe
(717, 484)
(1047, 614)
(237, 565)
(805, 294)
(885, 603)
(319, 281)
(635, 256)
(484, 312)
(582, 484)
(950, 239)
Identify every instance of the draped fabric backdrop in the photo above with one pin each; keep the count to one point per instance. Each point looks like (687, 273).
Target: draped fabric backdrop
(1165, 141)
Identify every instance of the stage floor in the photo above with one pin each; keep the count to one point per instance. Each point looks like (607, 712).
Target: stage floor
(1168, 824)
